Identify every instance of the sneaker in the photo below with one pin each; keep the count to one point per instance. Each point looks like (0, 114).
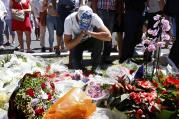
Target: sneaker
(17, 48)
(50, 49)
(43, 49)
(1, 47)
(57, 51)
(7, 44)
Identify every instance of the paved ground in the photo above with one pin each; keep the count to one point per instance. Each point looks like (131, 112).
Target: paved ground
(35, 45)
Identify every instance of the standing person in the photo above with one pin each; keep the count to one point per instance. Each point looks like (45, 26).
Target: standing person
(35, 12)
(64, 8)
(8, 27)
(107, 11)
(171, 9)
(3, 13)
(42, 22)
(22, 26)
(133, 22)
(51, 22)
(79, 35)
(39, 11)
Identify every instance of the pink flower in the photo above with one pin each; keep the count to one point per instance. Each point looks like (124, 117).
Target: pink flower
(165, 25)
(157, 17)
(165, 37)
(146, 42)
(151, 48)
(153, 32)
(156, 24)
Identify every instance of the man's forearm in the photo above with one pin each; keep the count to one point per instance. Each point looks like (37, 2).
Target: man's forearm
(70, 44)
(100, 35)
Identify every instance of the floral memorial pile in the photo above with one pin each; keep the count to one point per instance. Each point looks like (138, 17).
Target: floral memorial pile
(36, 88)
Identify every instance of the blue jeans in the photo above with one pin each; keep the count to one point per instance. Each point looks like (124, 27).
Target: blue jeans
(1, 32)
(108, 18)
(8, 28)
(51, 26)
(173, 29)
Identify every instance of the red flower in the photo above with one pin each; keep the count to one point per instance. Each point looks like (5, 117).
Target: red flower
(136, 97)
(145, 84)
(36, 74)
(43, 85)
(52, 75)
(49, 96)
(155, 83)
(52, 86)
(30, 92)
(131, 71)
(48, 68)
(152, 109)
(39, 111)
(139, 111)
(164, 92)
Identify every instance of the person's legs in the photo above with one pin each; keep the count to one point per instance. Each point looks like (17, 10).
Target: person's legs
(28, 40)
(1, 32)
(108, 18)
(20, 40)
(97, 48)
(119, 42)
(9, 30)
(133, 32)
(76, 57)
(42, 35)
(175, 48)
(50, 26)
(6, 32)
(59, 31)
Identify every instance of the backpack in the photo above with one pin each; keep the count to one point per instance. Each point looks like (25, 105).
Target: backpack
(65, 6)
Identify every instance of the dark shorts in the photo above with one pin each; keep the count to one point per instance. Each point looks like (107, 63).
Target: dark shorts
(117, 27)
(60, 24)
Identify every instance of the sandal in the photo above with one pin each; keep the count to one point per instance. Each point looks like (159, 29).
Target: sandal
(30, 51)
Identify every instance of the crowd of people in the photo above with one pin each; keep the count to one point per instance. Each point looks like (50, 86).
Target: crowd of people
(82, 24)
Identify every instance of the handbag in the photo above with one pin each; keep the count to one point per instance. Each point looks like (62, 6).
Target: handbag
(19, 16)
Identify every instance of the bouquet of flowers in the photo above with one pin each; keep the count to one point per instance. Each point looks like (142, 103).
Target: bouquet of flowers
(35, 94)
(138, 99)
(168, 91)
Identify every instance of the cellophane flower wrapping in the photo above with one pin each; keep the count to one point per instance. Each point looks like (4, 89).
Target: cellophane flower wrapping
(73, 105)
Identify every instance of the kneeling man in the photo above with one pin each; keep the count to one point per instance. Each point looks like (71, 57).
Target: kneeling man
(84, 30)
